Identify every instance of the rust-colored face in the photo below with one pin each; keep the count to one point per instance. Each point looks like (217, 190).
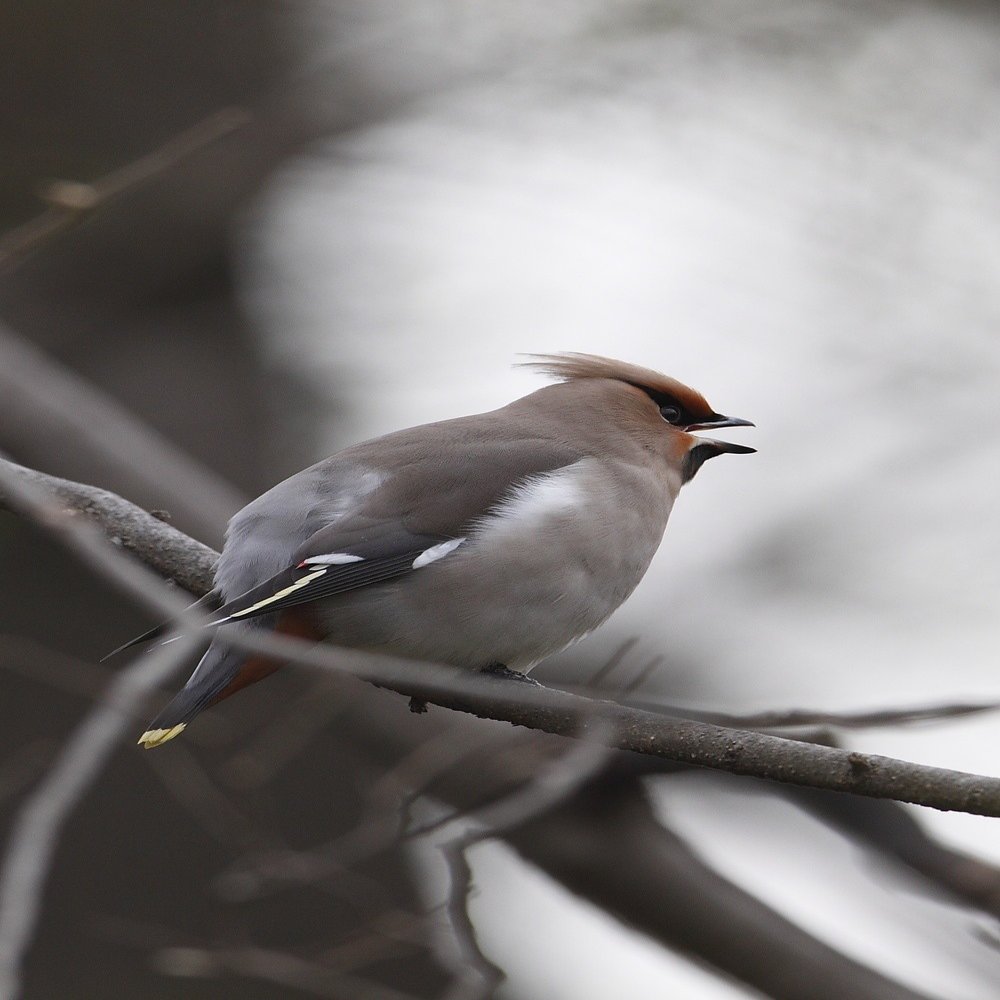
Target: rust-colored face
(687, 410)
(681, 407)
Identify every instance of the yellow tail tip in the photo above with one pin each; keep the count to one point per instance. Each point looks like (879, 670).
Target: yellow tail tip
(154, 737)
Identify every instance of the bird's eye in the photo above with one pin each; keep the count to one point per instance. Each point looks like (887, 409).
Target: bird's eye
(671, 414)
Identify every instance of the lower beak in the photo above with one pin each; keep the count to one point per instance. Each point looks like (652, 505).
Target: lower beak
(706, 448)
(724, 446)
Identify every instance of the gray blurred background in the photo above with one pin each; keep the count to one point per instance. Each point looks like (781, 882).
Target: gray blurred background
(791, 206)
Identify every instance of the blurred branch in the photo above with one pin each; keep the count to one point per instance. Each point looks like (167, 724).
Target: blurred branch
(893, 832)
(279, 968)
(479, 977)
(191, 787)
(48, 412)
(70, 202)
(662, 887)
(37, 825)
(391, 797)
(32, 659)
(24, 766)
(554, 711)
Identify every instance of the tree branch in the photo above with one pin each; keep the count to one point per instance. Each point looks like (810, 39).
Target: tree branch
(38, 823)
(686, 741)
(160, 546)
(705, 915)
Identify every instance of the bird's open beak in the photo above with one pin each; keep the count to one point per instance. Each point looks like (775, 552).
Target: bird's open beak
(717, 420)
(705, 448)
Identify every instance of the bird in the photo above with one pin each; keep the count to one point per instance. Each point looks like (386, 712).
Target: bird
(484, 542)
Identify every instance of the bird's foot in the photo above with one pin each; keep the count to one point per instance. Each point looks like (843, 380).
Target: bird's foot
(418, 706)
(503, 671)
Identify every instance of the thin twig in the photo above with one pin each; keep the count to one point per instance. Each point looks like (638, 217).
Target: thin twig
(279, 968)
(191, 787)
(69, 202)
(645, 672)
(478, 976)
(390, 934)
(384, 824)
(38, 824)
(612, 663)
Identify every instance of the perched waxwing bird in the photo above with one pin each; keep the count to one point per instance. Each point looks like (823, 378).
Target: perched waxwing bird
(485, 542)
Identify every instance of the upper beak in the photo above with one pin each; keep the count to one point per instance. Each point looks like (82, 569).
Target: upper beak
(718, 420)
(706, 448)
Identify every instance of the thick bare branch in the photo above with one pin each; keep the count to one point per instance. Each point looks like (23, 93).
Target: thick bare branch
(683, 740)
(799, 718)
(162, 547)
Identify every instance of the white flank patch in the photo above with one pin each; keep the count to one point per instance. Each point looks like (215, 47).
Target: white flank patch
(436, 552)
(333, 559)
(533, 502)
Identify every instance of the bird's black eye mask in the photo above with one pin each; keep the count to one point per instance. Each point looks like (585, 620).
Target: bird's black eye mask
(671, 409)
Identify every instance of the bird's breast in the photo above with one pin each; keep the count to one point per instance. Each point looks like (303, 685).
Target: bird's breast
(590, 528)
(547, 565)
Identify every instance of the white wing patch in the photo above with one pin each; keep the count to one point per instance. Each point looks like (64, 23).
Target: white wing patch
(436, 552)
(308, 578)
(332, 559)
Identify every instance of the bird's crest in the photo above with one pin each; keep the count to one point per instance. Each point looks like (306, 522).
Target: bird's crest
(569, 366)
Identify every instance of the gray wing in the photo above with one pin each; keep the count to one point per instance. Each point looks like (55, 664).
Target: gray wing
(374, 513)
(332, 565)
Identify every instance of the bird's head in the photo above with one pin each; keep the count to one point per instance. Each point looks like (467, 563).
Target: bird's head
(660, 408)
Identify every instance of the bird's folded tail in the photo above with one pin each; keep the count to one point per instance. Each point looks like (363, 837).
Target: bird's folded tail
(219, 669)
(207, 603)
